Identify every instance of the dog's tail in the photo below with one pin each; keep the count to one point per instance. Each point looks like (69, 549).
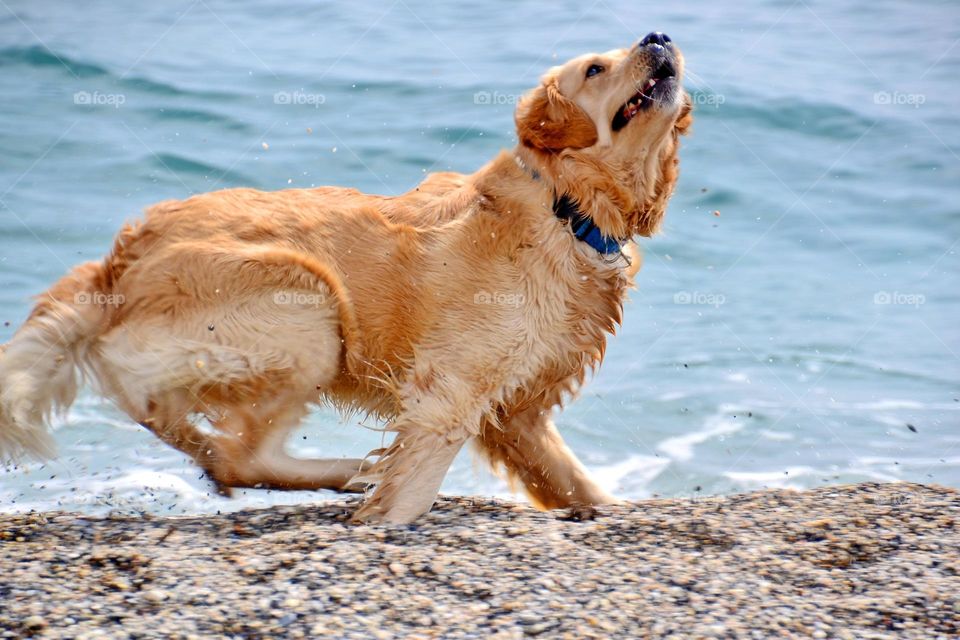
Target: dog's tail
(39, 366)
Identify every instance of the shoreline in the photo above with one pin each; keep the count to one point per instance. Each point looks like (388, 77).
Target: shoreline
(855, 561)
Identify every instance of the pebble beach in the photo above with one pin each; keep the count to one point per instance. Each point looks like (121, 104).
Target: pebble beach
(856, 561)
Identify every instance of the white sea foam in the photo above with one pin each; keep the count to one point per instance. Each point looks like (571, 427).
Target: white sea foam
(905, 461)
(149, 491)
(884, 405)
(777, 436)
(671, 396)
(721, 424)
(789, 478)
(777, 478)
(635, 473)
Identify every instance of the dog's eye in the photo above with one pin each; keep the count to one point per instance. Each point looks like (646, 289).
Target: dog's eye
(594, 69)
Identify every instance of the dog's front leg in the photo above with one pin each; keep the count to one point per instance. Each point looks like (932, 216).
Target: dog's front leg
(430, 432)
(531, 450)
(409, 473)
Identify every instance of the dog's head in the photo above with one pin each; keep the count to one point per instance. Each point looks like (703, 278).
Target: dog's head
(617, 114)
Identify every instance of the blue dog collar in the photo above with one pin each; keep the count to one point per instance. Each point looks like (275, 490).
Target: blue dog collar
(581, 224)
(583, 227)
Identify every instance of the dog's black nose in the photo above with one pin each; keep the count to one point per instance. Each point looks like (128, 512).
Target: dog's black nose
(655, 37)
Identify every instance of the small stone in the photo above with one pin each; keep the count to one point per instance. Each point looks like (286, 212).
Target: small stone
(119, 584)
(580, 513)
(34, 623)
(398, 569)
(155, 595)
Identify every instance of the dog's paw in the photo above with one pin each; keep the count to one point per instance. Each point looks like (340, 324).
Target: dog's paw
(374, 511)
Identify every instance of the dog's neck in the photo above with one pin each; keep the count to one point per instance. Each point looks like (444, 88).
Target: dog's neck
(580, 223)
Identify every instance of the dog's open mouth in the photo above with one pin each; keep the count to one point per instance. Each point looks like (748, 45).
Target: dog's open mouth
(658, 85)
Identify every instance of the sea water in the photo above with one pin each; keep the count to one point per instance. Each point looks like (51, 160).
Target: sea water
(794, 325)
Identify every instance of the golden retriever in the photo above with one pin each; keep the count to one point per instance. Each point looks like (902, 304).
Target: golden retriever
(467, 309)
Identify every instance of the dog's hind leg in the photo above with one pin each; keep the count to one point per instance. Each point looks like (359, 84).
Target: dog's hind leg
(170, 420)
(250, 353)
(529, 447)
(250, 454)
(170, 416)
(246, 450)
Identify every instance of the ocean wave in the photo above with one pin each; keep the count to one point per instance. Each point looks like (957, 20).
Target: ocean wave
(892, 404)
(36, 56)
(213, 120)
(720, 424)
(820, 354)
(776, 436)
(907, 461)
(395, 88)
(40, 56)
(631, 476)
(182, 165)
(786, 478)
(459, 134)
(719, 197)
(820, 119)
(143, 490)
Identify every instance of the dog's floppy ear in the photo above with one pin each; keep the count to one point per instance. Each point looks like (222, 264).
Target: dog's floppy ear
(685, 119)
(646, 220)
(548, 121)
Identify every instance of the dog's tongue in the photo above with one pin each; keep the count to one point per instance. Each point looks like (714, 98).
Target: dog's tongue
(631, 108)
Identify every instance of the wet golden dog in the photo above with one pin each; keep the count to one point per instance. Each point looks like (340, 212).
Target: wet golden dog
(466, 309)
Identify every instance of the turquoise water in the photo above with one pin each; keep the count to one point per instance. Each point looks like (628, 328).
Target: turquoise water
(788, 341)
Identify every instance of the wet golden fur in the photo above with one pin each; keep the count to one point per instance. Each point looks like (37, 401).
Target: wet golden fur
(461, 310)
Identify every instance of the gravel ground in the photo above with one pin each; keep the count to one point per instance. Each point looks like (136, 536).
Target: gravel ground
(859, 561)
